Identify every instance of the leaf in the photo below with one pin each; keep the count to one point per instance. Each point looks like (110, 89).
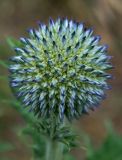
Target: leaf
(13, 43)
(110, 149)
(3, 77)
(5, 146)
(69, 157)
(28, 117)
(3, 64)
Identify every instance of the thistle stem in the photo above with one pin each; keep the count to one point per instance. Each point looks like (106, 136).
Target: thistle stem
(49, 150)
(54, 150)
(59, 151)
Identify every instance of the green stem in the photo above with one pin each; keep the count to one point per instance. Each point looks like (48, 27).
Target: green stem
(54, 150)
(49, 150)
(59, 151)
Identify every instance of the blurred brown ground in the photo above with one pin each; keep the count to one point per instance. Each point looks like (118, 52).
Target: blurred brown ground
(105, 16)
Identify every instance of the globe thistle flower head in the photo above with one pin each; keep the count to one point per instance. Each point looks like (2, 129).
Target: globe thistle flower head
(60, 70)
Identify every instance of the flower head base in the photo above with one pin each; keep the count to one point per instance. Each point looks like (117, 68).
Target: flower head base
(61, 70)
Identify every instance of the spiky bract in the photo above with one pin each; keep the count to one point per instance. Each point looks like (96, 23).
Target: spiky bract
(60, 69)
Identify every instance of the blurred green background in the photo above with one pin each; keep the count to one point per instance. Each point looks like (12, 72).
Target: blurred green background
(105, 16)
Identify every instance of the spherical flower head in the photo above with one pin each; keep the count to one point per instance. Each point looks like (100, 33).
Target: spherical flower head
(60, 70)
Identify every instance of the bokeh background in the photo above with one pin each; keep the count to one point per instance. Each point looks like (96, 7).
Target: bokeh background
(105, 16)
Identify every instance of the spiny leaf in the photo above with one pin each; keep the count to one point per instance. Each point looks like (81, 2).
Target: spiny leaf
(13, 43)
(3, 64)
